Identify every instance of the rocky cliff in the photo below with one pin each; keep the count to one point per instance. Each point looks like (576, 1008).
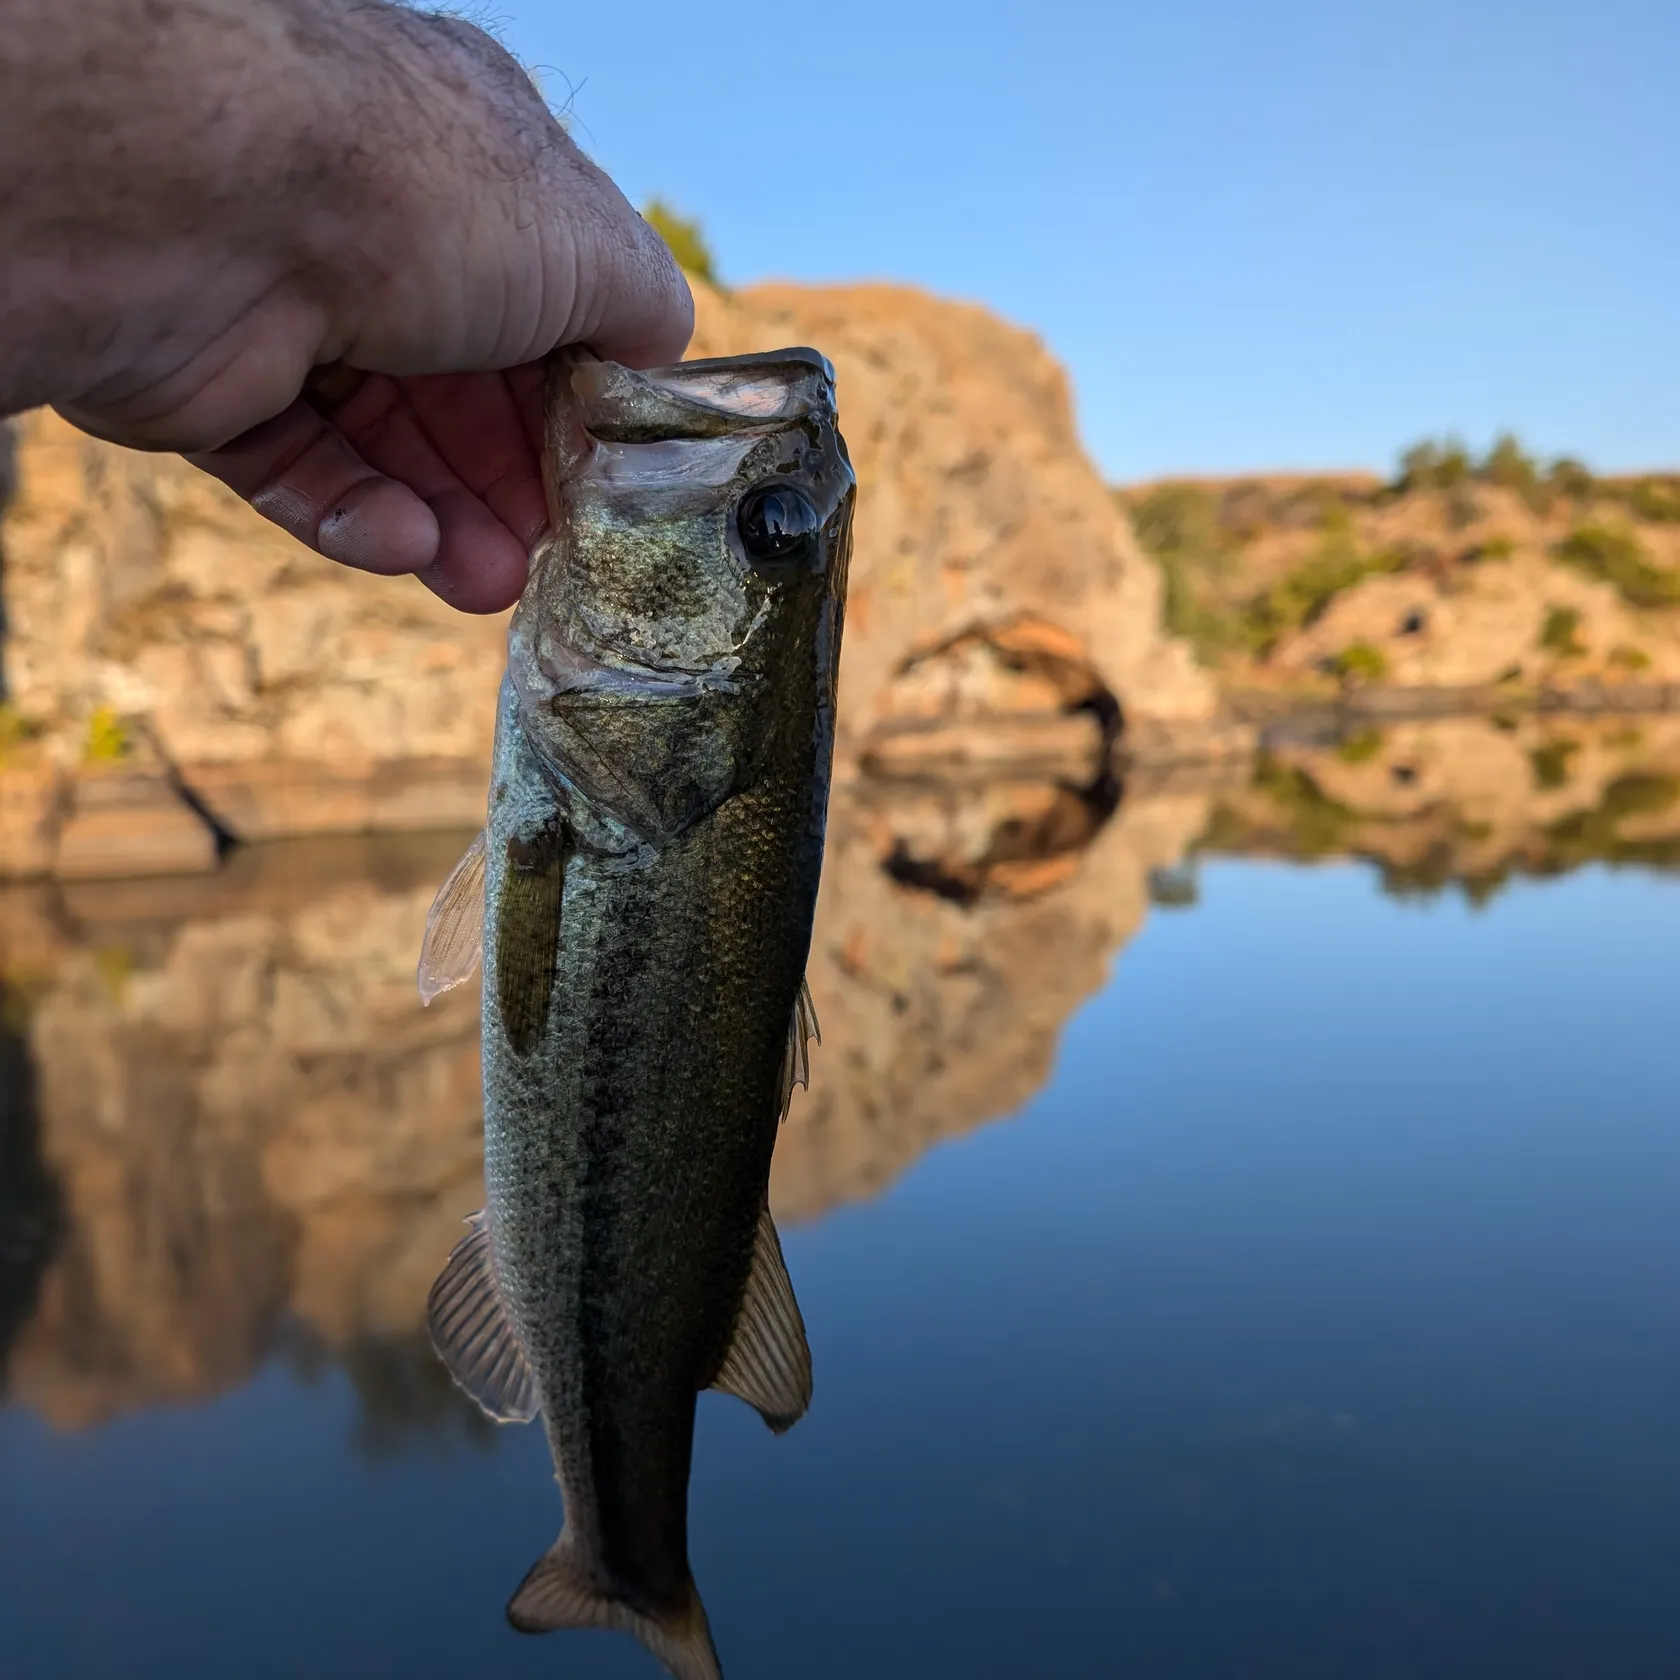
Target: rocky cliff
(1492, 579)
(170, 657)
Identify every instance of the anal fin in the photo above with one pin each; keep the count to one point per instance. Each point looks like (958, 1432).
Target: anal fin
(473, 1335)
(769, 1361)
(557, 1593)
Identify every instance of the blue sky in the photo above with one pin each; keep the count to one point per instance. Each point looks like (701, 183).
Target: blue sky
(1296, 235)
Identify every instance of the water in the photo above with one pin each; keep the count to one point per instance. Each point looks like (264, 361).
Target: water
(1315, 1315)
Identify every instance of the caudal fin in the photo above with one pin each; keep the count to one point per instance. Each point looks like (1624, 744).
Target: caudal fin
(557, 1594)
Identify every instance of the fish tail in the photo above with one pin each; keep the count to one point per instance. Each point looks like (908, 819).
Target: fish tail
(558, 1593)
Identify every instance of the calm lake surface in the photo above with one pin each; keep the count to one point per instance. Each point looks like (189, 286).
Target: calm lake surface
(1318, 1315)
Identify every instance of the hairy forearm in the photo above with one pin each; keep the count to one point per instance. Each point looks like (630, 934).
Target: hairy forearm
(181, 165)
(142, 148)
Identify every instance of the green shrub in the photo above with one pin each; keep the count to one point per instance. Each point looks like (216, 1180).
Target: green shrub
(1568, 477)
(15, 730)
(1361, 662)
(1551, 762)
(1656, 499)
(1617, 556)
(1495, 548)
(1507, 465)
(107, 740)
(1420, 878)
(1485, 885)
(1360, 747)
(1295, 601)
(1318, 825)
(1588, 836)
(1640, 794)
(115, 964)
(1178, 519)
(1627, 658)
(1178, 524)
(684, 237)
(1557, 634)
(1433, 466)
(1335, 518)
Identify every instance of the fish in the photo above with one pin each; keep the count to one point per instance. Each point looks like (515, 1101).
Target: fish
(641, 899)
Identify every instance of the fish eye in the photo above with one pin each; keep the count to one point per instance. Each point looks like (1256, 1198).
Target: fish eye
(777, 522)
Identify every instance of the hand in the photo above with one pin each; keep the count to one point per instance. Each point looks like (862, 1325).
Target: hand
(389, 196)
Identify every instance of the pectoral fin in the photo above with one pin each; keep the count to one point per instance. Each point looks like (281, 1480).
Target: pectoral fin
(454, 938)
(769, 1362)
(473, 1335)
(558, 1593)
(796, 1065)
(527, 933)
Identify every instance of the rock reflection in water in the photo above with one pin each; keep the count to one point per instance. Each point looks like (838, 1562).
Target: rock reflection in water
(31, 1213)
(1466, 802)
(228, 1131)
(263, 1144)
(250, 1119)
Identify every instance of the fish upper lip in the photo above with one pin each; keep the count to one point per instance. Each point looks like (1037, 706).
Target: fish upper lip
(577, 672)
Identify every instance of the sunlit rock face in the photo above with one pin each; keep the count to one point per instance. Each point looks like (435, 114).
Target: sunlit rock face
(1496, 583)
(981, 523)
(158, 628)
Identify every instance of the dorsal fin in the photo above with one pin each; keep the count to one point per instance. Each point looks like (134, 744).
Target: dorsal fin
(473, 1335)
(454, 939)
(769, 1361)
(796, 1065)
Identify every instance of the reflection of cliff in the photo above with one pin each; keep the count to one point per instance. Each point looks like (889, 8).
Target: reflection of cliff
(249, 1117)
(941, 1006)
(1467, 800)
(261, 1140)
(30, 1211)
(226, 1127)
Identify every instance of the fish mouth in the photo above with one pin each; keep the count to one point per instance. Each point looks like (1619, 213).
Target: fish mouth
(712, 397)
(567, 670)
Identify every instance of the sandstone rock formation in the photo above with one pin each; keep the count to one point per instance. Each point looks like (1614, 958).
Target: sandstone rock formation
(1569, 588)
(154, 621)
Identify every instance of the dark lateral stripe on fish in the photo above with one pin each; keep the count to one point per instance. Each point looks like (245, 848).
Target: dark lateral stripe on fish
(633, 1475)
(527, 931)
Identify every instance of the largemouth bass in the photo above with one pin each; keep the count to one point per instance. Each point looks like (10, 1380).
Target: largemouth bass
(647, 877)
